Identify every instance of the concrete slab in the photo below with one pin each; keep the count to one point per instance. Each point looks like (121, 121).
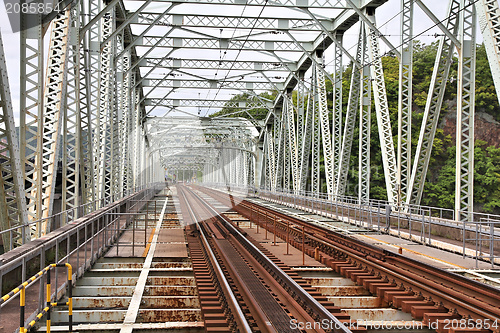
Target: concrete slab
(181, 326)
(85, 316)
(382, 314)
(320, 281)
(426, 254)
(350, 291)
(293, 259)
(171, 250)
(172, 235)
(112, 281)
(316, 272)
(138, 265)
(348, 302)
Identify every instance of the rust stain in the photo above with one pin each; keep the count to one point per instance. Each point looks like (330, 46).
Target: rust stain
(171, 281)
(149, 316)
(171, 302)
(170, 291)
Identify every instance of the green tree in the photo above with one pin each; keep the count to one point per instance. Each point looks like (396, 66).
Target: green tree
(439, 189)
(255, 113)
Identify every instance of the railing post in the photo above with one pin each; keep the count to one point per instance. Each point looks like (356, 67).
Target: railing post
(22, 301)
(274, 244)
(430, 225)
(378, 215)
(70, 296)
(146, 224)
(48, 301)
(303, 247)
(422, 229)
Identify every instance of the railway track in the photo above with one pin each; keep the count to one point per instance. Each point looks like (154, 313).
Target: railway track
(444, 301)
(269, 294)
(235, 280)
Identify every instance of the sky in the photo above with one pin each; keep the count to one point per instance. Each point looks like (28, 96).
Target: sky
(388, 19)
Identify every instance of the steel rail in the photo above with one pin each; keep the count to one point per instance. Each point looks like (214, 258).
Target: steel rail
(449, 297)
(382, 255)
(268, 313)
(283, 278)
(381, 261)
(350, 245)
(245, 327)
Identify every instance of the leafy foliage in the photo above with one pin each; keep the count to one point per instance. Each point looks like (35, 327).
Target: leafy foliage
(439, 189)
(255, 113)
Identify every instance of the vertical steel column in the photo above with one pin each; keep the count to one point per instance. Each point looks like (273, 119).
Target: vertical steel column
(266, 161)
(292, 142)
(285, 149)
(301, 102)
(31, 104)
(120, 119)
(93, 78)
(430, 119)
(122, 110)
(303, 132)
(316, 128)
(489, 23)
(337, 110)
(128, 97)
(13, 210)
(382, 111)
(322, 107)
(106, 109)
(72, 122)
(137, 137)
(54, 109)
(405, 100)
(271, 159)
(130, 164)
(353, 104)
(464, 181)
(86, 114)
(364, 123)
(306, 142)
(278, 148)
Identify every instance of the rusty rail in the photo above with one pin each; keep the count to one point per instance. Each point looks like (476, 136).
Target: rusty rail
(384, 271)
(237, 312)
(292, 287)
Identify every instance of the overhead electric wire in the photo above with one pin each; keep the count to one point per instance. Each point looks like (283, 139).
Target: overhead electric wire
(451, 16)
(239, 50)
(423, 33)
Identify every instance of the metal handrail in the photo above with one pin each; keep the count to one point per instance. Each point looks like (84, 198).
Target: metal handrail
(366, 212)
(21, 290)
(26, 227)
(83, 242)
(355, 200)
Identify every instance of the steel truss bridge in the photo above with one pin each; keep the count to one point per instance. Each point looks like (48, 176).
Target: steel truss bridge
(123, 93)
